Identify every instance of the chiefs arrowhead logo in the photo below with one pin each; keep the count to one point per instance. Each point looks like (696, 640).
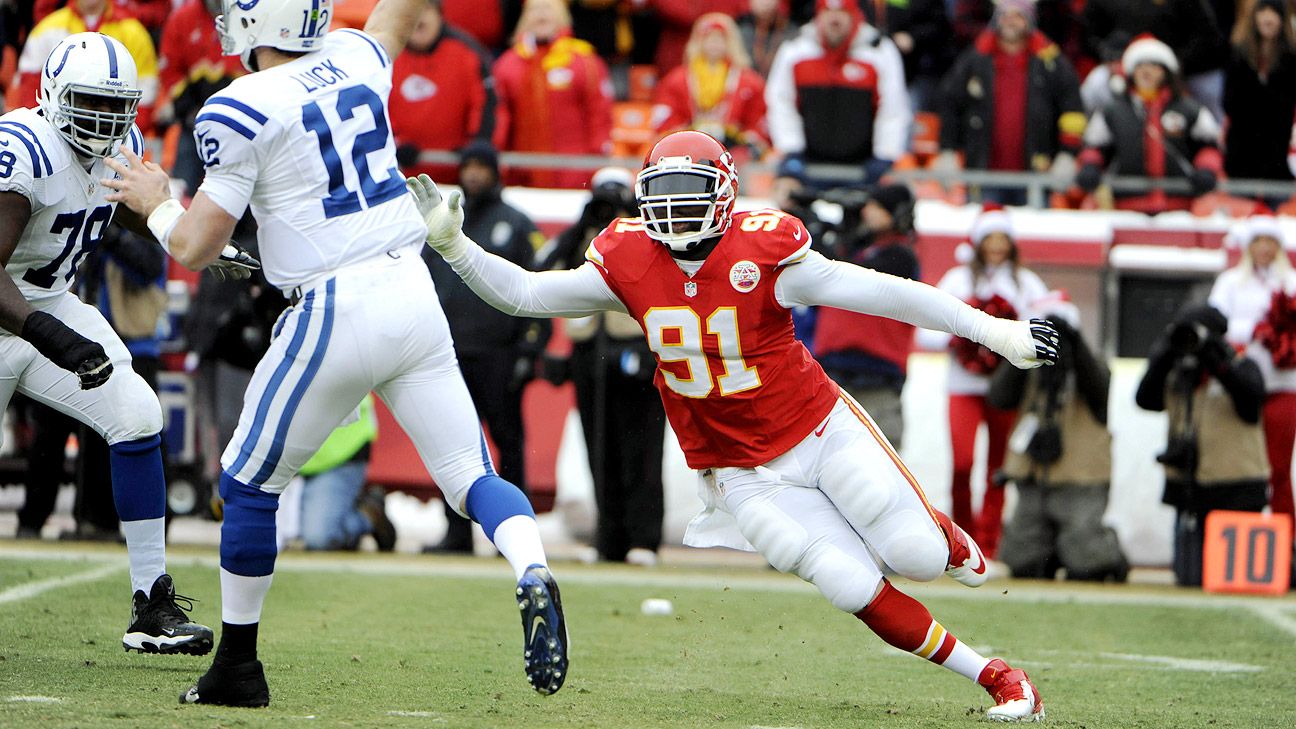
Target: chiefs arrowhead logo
(744, 276)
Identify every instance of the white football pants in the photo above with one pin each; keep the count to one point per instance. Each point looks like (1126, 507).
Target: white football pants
(375, 325)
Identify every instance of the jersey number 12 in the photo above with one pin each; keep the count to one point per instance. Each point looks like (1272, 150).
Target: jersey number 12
(343, 200)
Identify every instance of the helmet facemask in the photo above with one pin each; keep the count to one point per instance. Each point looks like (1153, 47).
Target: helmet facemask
(683, 203)
(94, 121)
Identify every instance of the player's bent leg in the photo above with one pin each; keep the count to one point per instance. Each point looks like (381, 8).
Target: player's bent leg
(905, 623)
(247, 555)
(433, 406)
(801, 532)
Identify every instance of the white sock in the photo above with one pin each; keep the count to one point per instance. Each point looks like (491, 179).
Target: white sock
(242, 597)
(518, 539)
(965, 661)
(146, 546)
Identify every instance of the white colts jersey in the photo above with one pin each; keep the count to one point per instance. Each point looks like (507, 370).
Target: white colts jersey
(307, 144)
(68, 211)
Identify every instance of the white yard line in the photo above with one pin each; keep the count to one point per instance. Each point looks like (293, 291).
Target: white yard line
(1281, 611)
(32, 589)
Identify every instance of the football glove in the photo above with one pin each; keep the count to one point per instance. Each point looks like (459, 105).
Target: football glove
(443, 216)
(1025, 344)
(69, 350)
(234, 263)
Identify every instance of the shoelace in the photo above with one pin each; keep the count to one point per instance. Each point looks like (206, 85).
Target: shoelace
(172, 605)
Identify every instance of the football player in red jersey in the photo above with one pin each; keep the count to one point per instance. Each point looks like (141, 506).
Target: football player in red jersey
(790, 466)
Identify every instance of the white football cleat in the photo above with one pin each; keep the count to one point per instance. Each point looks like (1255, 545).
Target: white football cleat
(1015, 696)
(967, 564)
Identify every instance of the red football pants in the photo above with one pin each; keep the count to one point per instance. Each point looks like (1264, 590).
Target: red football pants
(966, 413)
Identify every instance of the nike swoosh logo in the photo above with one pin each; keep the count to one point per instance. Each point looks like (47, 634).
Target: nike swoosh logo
(536, 624)
(822, 428)
(797, 234)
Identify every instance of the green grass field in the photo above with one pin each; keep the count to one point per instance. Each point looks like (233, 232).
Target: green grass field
(409, 641)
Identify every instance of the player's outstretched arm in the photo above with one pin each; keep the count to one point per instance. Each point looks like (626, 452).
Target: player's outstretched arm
(197, 237)
(498, 281)
(817, 281)
(52, 338)
(392, 21)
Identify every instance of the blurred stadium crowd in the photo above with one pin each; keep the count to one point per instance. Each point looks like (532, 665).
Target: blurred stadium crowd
(1143, 105)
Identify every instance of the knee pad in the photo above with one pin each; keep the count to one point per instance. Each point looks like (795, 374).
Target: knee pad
(136, 412)
(916, 555)
(847, 583)
(779, 539)
(248, 545)
(861, 498)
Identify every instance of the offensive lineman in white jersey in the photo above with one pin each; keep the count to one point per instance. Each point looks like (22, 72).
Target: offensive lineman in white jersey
(304, 140)
(62, 352)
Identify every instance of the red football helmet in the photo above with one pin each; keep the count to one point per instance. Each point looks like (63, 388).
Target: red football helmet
(686, 190)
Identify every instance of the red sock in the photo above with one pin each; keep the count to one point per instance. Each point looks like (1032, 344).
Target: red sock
(905, 623)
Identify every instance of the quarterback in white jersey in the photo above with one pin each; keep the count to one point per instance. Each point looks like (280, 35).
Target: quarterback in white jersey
(304, 141)
(62, 352)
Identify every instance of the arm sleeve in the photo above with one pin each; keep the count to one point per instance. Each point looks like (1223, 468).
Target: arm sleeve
(1245, 386)
(18, 161)
(817, 281)
(519, 292)
(1151, 389)
(1007, 386)
(1093, 379)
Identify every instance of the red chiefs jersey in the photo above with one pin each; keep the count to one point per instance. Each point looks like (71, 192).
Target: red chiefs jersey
(739, 389)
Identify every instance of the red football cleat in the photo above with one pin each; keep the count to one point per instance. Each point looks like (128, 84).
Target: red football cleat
(966, 562)
(1015, 696)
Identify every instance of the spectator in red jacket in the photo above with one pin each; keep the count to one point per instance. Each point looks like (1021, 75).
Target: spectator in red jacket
(442, 96)
(677, 18)
(1152, 130)
(715, 91)
(487, 21)
(554, 95)
(190, 69)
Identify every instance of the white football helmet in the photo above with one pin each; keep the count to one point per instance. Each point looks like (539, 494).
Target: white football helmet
(90, 92)
(686, 190)
(288, 25)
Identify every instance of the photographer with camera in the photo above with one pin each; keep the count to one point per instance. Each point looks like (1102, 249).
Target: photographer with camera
(621, 412)
(869, 355)
(1197, 378)
(1059, 458)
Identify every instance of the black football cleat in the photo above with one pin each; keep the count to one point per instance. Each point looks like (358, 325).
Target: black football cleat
(160, 625)
(230, 684)
(544, 630)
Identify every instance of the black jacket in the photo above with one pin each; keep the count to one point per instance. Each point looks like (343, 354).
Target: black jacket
(1054, 113)
(1259, 115)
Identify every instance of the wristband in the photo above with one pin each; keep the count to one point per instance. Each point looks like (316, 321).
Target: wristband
(163, 220)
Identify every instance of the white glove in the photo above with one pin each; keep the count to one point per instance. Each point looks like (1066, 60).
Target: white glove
(442, 216)
(234, 263)
(1026, 344)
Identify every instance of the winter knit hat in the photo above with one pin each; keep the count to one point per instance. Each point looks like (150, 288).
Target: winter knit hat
(850, 6)
(1025, 7)
(892, 197)
(1260, 223)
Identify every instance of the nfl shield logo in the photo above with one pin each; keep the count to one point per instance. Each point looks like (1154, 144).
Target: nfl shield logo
(690, 289)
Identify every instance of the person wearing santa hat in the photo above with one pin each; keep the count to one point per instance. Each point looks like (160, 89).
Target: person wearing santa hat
(1059, 458)
(990, 278)
(1154, 130)
(1258, 296)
